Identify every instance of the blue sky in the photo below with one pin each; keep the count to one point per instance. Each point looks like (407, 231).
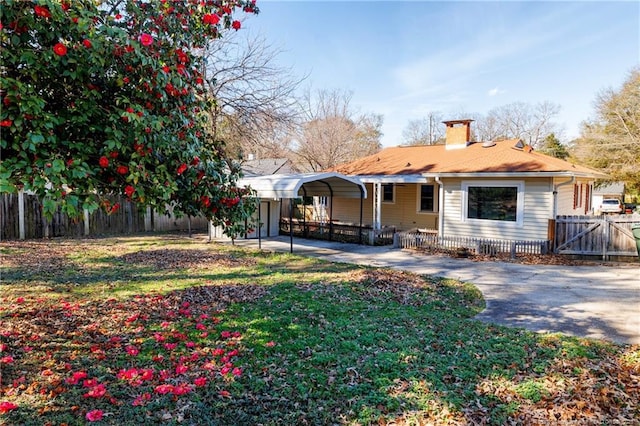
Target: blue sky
(405, 59)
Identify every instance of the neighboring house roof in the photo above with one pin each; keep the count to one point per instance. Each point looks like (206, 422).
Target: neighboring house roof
(616, 188)
(305, 184)
(499, 159)
(266, 166)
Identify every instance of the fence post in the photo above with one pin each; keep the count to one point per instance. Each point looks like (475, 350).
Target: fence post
(605, 237)
(86, 222)
(21, 219)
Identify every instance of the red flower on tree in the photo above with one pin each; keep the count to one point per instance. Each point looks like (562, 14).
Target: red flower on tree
(104, 162)
(129, 190)
(87, 43)
(122, 170)
(211, 18)
(6, 123)
(60, 49)
(236, 25)
(181, 169)
(42, 11)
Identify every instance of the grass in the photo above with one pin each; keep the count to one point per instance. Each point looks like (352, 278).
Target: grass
(171, 330)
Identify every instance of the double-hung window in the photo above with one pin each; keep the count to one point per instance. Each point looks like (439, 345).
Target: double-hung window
(388, 193)
(427, 198)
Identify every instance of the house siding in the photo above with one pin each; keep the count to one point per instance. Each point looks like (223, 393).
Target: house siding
(402, 213)
(537, 210)
(574, 198)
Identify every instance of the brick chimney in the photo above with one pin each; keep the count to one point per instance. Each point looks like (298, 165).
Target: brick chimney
(458, 133)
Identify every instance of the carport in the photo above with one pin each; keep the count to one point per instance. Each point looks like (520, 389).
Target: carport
(292, 186)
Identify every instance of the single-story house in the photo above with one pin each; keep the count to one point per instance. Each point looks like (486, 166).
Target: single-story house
(495, 189)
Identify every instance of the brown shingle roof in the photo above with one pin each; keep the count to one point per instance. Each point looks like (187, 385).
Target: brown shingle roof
(502, 157)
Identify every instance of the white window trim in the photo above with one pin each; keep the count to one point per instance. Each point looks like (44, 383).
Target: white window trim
(393, 196)
(419, 194)
(518, 184)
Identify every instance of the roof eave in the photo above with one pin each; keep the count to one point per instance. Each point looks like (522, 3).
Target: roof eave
(516, 174)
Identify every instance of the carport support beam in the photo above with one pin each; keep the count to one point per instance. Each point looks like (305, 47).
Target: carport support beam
(290, 225)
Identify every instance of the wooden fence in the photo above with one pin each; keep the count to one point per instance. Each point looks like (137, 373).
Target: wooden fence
(127, 220)
(429, 239)
(604, 236)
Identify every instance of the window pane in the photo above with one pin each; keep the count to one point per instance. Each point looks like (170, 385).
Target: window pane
(426, 198)
(492, 203)
(387, 192)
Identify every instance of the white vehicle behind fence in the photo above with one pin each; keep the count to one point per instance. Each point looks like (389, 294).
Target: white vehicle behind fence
(611, 205)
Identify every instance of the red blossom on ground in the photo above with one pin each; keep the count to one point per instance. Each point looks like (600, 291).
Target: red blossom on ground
(6, 360)
(97, 391)
(94, 415)
(132, 350)
(146, 39)
(60, 49)
(164, 389)
(6, 406)
(200, 381)
(76, 377)
(142, 399)
(181, 389)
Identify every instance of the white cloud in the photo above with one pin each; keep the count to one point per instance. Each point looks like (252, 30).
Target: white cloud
(496, 91)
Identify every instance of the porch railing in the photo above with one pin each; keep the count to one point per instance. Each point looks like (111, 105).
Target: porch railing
(429, 239)
(335, 231)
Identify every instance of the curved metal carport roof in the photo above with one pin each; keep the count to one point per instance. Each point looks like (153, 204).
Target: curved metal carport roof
(305, 184)
(291, 186)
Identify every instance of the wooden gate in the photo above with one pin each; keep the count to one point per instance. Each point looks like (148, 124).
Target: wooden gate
(596, 235)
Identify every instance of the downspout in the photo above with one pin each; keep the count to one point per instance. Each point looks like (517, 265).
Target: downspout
(552, 232)
(440, 207)
(555, 194)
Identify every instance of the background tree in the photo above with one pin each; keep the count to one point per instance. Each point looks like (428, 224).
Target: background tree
(424, 131)
(611, 140)
(109, 99)
(519, 120)
(254, 101)
(333, 133)
(552, 146)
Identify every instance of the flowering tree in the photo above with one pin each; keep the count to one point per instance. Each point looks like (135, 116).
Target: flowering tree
(103, 98)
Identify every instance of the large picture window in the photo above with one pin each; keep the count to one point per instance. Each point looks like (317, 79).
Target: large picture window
(427, 198)
(493, 201)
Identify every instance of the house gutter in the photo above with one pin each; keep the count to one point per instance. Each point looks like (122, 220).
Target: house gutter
(555, 194)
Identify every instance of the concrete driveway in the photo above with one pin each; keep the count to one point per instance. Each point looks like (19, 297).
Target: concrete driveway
(598, 301)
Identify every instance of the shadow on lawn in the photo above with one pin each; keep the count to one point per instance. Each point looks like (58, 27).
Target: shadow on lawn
(136, 271)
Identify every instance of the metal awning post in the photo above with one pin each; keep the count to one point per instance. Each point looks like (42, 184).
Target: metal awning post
(259, 224)
(291, 225)
(361, 208)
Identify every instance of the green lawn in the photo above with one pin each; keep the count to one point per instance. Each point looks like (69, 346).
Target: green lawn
(170, 330)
